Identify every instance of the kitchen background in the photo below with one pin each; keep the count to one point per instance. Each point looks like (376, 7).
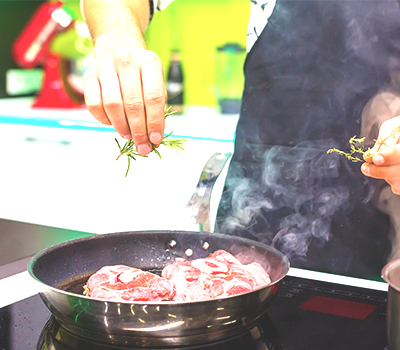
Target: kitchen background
(196, 28)
(57, 165)
(58, 168)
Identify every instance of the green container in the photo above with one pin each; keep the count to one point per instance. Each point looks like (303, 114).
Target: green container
(229, 79)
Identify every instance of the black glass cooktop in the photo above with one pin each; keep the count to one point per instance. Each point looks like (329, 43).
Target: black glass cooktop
(306, 314)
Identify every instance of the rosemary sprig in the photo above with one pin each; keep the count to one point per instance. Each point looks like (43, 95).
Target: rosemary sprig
(130, 151)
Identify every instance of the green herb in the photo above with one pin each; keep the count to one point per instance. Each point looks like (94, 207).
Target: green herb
(130, 151)
(357, 147)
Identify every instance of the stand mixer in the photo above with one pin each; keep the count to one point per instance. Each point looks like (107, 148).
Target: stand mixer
(35, 47)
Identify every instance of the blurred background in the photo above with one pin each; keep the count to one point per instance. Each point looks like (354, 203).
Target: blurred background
(210, 36)
(58, 163)
(199, 29)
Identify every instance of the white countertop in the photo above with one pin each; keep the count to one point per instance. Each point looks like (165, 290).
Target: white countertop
(66, 175)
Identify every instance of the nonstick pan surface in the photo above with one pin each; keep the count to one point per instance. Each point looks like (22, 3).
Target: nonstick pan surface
(64, 269)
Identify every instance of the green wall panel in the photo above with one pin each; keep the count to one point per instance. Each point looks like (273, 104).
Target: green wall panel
(196, 28)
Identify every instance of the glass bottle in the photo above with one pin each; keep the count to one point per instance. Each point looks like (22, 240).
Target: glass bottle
(175, 84)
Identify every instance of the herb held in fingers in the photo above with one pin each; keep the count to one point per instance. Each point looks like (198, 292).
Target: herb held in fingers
(130, 151)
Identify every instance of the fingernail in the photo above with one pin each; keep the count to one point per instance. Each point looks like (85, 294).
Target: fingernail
(143, 149)
(155, 137)
(365, 169)
(378, 159)
(128, 136)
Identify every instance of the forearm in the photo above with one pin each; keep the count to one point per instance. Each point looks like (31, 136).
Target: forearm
(116, 23)
(124, 84)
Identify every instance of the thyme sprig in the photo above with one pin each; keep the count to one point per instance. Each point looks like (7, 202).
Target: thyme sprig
(130, 151)
(357, 147)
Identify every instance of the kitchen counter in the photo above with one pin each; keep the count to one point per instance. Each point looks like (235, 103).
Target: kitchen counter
(59, 169)
(20, 241)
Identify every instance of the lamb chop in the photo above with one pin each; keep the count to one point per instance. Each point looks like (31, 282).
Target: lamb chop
(124, 283)
(217, 276)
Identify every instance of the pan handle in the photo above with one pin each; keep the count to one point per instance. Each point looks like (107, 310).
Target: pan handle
(196, 216)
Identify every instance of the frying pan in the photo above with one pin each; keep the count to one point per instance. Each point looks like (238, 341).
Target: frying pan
(64, 269)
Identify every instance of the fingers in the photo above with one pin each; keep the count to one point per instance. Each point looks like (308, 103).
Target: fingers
(155, 97)
(144, 102)
(389, 136)
(389, 133)
(396, 190)
(112, 101)
(381, 172)
(389, 173)
(132, 94)
(387, 156)
(383, 160)
(126, 88)
(93, 99)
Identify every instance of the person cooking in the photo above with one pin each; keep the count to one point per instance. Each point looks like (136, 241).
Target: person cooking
(317, 73)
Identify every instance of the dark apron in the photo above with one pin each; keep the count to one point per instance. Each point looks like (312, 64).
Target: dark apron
(307, 79)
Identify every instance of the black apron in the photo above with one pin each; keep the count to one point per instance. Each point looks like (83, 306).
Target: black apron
(307, 79)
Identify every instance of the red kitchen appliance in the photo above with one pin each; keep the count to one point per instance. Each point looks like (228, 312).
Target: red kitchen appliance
(32, 49)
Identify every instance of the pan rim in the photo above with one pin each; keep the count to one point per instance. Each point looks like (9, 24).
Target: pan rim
(34, 259)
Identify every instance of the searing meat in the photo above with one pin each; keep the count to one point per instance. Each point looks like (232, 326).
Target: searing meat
(217, 276)
(124, 283)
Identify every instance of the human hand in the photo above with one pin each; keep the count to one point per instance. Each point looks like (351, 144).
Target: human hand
(124, 87)
(383, 160)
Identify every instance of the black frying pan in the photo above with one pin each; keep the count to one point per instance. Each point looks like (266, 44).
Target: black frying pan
(64, 269)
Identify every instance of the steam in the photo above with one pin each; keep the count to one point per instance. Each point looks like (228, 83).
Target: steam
(297, 181)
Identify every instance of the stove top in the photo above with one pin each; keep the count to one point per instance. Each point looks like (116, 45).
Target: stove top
(306, 314)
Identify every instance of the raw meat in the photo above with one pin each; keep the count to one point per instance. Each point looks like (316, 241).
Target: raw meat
(218, 276)
(124, 283)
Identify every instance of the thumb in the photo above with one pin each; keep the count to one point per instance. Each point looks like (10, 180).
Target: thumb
(389, 135)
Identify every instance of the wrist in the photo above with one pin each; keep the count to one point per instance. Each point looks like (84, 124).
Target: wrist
(112, 41)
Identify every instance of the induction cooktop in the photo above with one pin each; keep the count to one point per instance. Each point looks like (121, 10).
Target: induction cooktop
(306, 314)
